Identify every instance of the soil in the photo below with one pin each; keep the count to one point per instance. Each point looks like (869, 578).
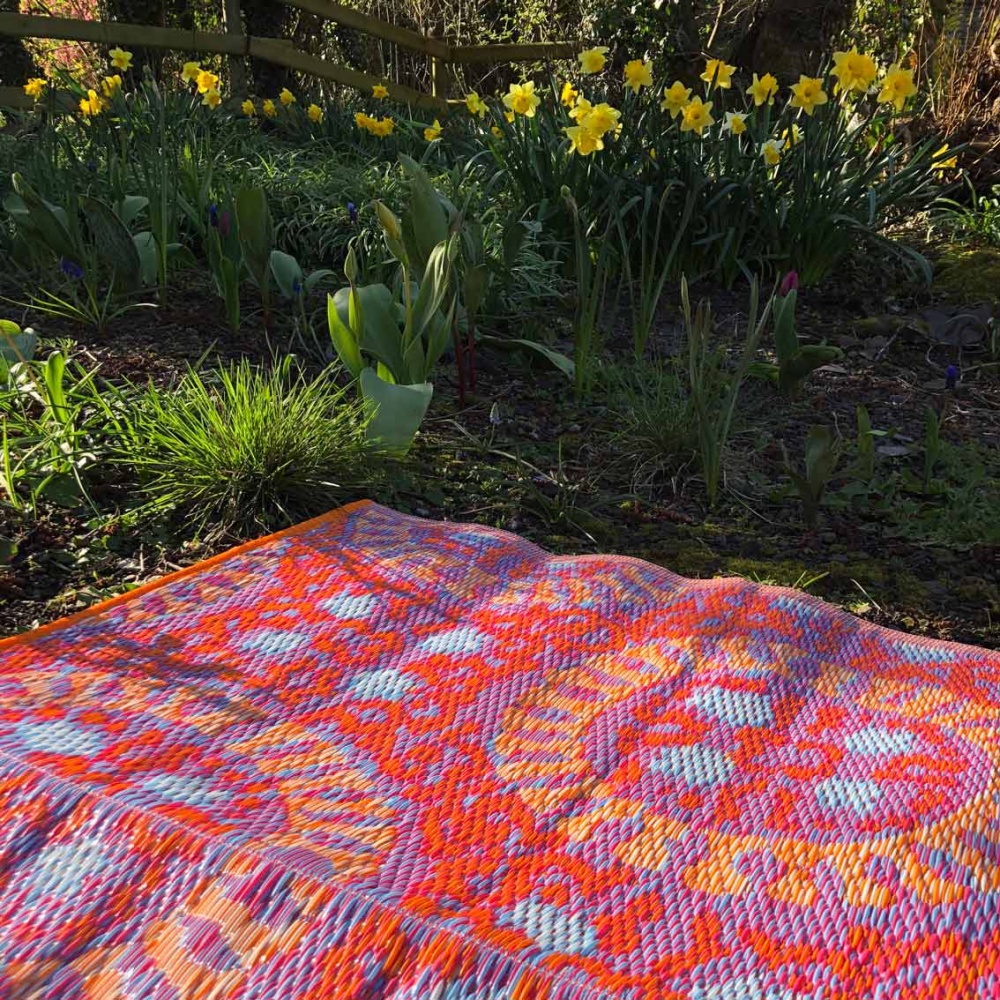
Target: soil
(925, 561)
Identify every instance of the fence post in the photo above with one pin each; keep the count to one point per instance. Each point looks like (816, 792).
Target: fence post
(440, 77)
(232, 21)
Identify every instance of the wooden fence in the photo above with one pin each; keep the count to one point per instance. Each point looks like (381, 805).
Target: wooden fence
(232, 42)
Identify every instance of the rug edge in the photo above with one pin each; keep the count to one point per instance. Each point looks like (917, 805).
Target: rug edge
(100, 607)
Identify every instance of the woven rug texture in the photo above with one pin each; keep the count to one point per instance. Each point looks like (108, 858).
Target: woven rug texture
(382, 758)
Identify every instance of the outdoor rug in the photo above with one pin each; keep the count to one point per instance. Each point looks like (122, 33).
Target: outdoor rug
(381, 757)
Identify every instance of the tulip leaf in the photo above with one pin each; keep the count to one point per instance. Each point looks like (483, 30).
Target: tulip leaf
(344, 341)
(396, 411)
(287, 274)
(427, 214)
(113, 242)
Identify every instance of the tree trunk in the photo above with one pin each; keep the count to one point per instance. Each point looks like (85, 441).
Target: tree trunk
(267, 19)
(16, 65)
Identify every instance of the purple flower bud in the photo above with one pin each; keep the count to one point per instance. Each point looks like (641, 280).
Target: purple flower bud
(213, 216)
(297, 286)
(950, 377)
(70, 268)
(225, 223)
(789, 283)
(352, 211)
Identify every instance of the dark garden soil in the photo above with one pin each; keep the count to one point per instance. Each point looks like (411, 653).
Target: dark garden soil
(923, 558)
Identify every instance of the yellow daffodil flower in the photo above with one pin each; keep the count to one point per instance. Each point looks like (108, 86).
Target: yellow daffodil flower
(581, 109)
(508, 117)
(315, 113)
(522, 99)
(249, 108)
(601, 118)
(897, 86)
(475, 104)
(593, 60)
(583, 141)
(718, 73)
(110, 85)
(190, 71)
(206, 81)
(792, 136)
(696, 116)
(638, 73)
(380, 92)
(569, 95)
(652, 154)
(433, 132)
(286, 97)
(771, 151)
(675, 97)
(853, 70)
(496, 131)
(940, 161)
(361, 120)
(763, 89)
(120, 59)
(212, 99)
(384, 127)
(269, 109)
(736, 122)
(808, 94)
(91, 104)
(35, 87)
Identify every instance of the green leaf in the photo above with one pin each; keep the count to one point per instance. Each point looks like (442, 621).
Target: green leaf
(256, 235)
(51, 226)
(344, 341)
(793, 371)
(380, 335)
(287, 274)
(113, 242)
(426, 215)
(15, 344)
(396, 411)
(130, 206)
(149, 257)
(554, 358)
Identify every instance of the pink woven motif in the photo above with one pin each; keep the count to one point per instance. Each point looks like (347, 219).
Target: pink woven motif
(380, 757)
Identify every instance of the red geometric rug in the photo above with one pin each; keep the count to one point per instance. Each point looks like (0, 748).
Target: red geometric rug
(380, 757)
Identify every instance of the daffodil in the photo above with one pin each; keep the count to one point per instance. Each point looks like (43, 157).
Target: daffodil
(675, 97)
(475, 104)
(269, 109)
(206, 81)
(249, 108)
(190, 71)
(696, 116)
(522, 99)
(771, 151)
(583, 140)
(35, 87)
(792, 136)
(380, 92)
(315, 113)
(212, 99)
(718, 73)
(508, 117)
(496, 131)
(763, 89)
(581, 109)
(383, 127)
(600, 119)
(362, 120)
(593, 60)
(121, 59)
(940, 160)
(853, 70)
(91, 104)
(897, 86)
(808, 94)
(286, 97)
(736, 122)
(638, 73)
(569, 95)
(110, 85)
(433, 132)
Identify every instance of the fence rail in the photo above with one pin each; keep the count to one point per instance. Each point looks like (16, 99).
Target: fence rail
(281, 52)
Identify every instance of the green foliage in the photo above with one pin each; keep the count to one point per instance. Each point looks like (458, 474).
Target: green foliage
(822, 456)
(714, 395)
(241, 447)
(796, 362)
